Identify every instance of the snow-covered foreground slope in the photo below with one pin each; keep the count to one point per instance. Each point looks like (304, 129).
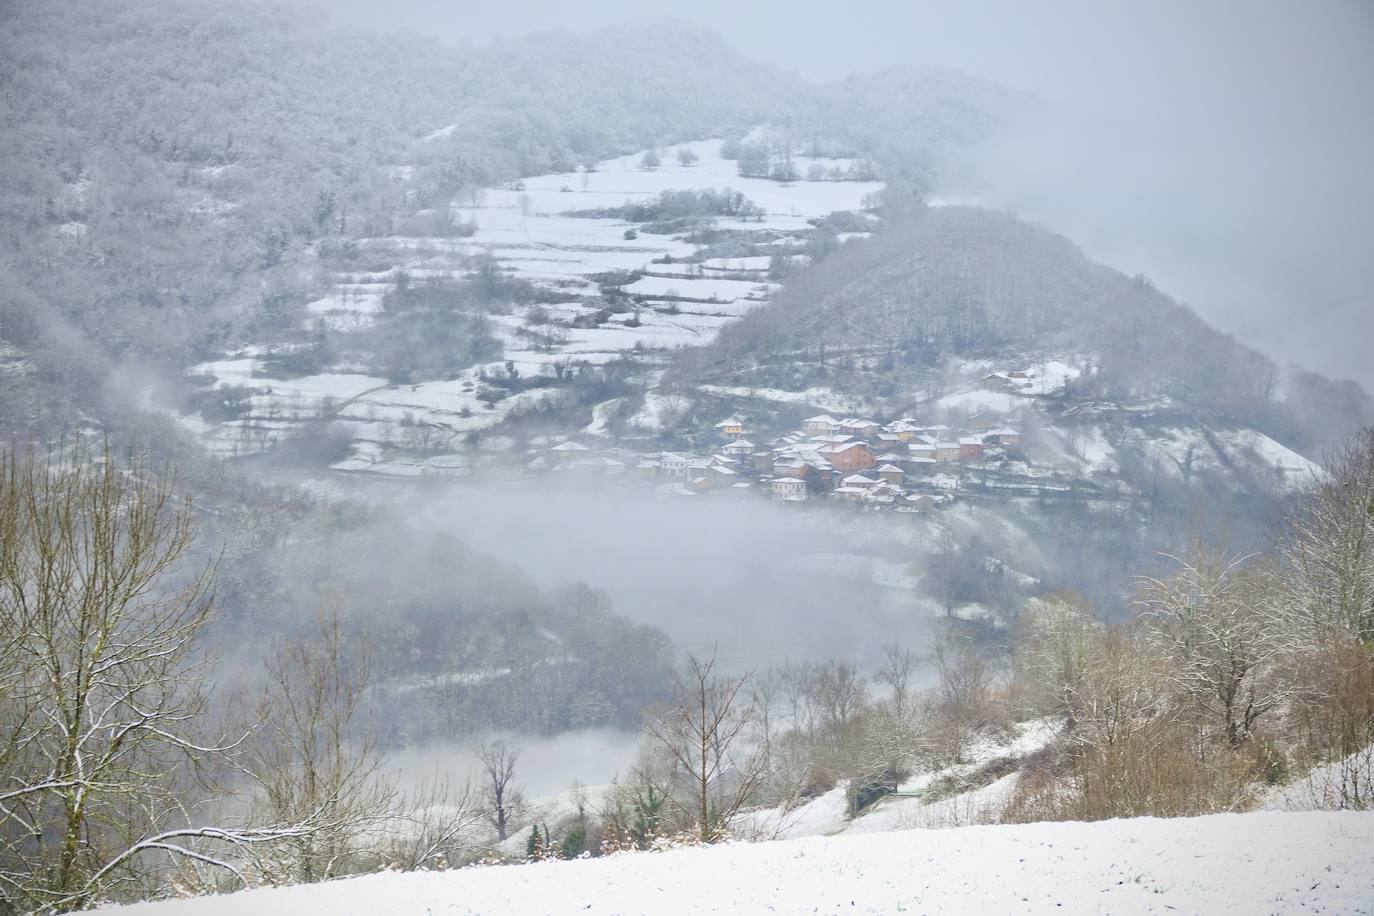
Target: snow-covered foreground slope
(1238, 863)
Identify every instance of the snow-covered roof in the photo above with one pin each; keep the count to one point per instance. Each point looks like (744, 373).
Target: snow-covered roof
(823, 418)
(971, 440)
(858, 480)
(571, 446)
(731, 421)
(889, 468)
(598, 462)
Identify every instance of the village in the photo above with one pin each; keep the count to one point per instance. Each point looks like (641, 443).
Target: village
(902, 464)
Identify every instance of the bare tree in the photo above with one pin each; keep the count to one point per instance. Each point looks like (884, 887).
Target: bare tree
(1330, 548)
(108, 677)
(1058, 637)
(434, 826)
(315, 757)
(101, 694)
(703, 733)
(503, 801)
(839, 693)
(1217, 624)
(964, 696)
(895, 673)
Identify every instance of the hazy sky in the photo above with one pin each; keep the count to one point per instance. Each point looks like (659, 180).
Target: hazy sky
(1229, 150)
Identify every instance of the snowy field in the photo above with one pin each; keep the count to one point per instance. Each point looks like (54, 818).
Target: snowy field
(1223, 864)
(539, 230)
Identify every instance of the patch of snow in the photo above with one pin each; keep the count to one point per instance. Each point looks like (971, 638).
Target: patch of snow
(823, 815)
(1050, 377)
(701, 289)
(1328, 787)
(753, 263)
(981, 399)
(822, 398)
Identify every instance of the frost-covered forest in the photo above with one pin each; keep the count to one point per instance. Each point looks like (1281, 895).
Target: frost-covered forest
(608, 441)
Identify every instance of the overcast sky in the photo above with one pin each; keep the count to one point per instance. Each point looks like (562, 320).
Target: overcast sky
(1230, 146)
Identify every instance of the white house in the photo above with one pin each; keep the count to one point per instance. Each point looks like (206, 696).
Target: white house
(740, 448)
(788, 489)
(569, 451)
(821, 425)
(673, 464)
(599, 465)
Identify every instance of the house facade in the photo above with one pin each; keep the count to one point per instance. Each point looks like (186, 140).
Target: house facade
(731, 428)
(822, 425)
(850, 457)
(788, 489)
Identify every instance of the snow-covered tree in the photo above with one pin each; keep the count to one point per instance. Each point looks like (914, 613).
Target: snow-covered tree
(1216, 622)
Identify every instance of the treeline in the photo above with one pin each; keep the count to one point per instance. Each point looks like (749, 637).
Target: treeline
(677, 211)
(459, 643)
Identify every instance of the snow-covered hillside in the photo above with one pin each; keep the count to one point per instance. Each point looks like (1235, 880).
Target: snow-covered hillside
(552, 231)
(1234, 863)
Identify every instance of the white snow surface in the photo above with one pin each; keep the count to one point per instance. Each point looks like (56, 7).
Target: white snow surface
(1223, 864)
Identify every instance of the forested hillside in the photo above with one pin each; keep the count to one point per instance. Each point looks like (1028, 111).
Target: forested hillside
(151, 208)
(894, 315)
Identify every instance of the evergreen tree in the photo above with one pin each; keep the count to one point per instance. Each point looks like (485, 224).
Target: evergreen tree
(534, 846)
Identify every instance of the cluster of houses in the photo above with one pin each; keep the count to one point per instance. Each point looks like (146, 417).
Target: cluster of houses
(902, 464)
